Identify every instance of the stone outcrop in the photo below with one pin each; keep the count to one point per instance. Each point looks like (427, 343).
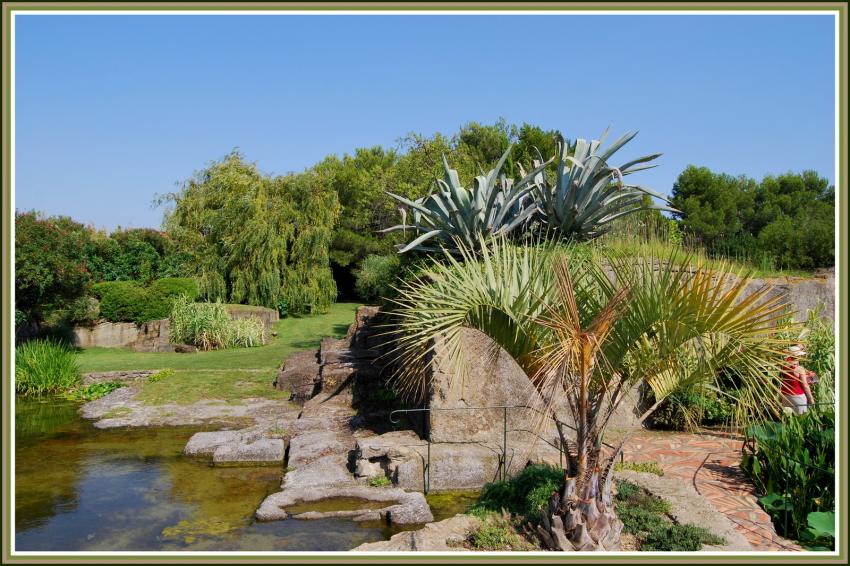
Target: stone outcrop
(300, 375)
(322, 440)
(236, 447)
(391, 504)
(442, 536)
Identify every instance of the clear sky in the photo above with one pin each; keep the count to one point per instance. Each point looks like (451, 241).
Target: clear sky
(111, 110)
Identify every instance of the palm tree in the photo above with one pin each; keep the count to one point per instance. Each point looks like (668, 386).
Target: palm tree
(587, 330)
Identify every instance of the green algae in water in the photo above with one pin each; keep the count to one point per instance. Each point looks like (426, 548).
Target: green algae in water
(447, 504)
(80, 488)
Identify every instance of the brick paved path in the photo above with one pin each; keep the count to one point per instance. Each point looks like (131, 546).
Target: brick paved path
(712, 465)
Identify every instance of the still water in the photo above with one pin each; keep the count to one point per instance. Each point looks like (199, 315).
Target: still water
(80, 488)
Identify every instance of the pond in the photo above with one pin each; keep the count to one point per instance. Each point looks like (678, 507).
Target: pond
(80, 488)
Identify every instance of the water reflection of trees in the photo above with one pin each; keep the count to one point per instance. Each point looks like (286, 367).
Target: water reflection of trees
(46, 473)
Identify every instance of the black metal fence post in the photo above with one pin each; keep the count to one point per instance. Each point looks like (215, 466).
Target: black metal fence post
(504, 443)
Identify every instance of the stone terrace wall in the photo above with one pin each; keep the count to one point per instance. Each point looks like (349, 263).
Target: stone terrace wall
(152, 336)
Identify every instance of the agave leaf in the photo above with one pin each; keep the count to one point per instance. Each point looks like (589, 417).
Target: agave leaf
(419, 240)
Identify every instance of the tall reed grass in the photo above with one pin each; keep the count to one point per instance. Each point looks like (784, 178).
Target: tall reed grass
(208, 326)
(45, 366)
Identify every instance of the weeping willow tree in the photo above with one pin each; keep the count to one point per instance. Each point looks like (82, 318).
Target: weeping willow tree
(256, 239)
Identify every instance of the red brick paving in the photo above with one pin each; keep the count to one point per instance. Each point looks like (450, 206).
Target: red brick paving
(711, 463)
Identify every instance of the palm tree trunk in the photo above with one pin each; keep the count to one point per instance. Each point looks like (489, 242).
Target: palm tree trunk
(571, 521)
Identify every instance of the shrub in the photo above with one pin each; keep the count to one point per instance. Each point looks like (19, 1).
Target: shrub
(523, 494)
(792, 463)
(688, 410)
(127, 301)
(498, 533)
(208, 326)
(647, 517)
(376, 276)
(686, 538)
(121, 301)
(820, 345)
(50, 267)
(44, 367)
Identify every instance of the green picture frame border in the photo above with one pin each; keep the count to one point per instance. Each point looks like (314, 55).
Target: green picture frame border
(838, 8)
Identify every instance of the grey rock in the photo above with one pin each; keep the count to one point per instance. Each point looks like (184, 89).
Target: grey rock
(300, 375)
(310, 446)
(445, 535)
(244, 451)
(399, 506)
(327, 471)
(205, 443)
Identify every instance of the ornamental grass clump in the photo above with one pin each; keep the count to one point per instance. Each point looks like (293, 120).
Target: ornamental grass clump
(44, 367)
(208, 326)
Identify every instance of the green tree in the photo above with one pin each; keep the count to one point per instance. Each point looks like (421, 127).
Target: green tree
(254, 239)
(50, 268)
(714, 207)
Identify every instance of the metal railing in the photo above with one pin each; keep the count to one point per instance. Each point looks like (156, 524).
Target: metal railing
(563, 451)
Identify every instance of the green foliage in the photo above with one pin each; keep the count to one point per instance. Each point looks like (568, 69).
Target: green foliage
(584, 197)
(455, 214)
(819, 340)
(255, 239)
(498, 533)
(44, 367)
(129, 301)
(50, 266)
(379, 481)
(647, 467)
(208, 326)
(522, 494)
(93, 391)
(587, 193)
(788, 219)
(820, 533)
(647, 517)
(376, 276)
(686, 538)
(693, 407)
(792, 463)
(160, 375)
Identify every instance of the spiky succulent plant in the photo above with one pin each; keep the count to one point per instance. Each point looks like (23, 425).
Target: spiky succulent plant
(495, 205)
(588, 194)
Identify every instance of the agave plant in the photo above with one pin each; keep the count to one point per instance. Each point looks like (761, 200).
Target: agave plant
(588, 333)
(494, 206)
(587, 194)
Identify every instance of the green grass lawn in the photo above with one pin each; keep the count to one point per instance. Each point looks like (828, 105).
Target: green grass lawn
(185, 387)
(293, 334)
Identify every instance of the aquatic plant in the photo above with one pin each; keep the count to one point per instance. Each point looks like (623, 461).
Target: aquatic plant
(45, 366)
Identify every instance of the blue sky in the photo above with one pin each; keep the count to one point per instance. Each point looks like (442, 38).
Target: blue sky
(111, 110)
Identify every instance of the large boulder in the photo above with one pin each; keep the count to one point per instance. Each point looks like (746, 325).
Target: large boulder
(469, 409)
(299, 375)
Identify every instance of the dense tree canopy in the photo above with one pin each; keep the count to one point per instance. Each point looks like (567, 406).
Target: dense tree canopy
(255, 239)
(788, 218)
(362, 179)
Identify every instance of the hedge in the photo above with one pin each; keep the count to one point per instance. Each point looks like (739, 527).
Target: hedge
(127, 301)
